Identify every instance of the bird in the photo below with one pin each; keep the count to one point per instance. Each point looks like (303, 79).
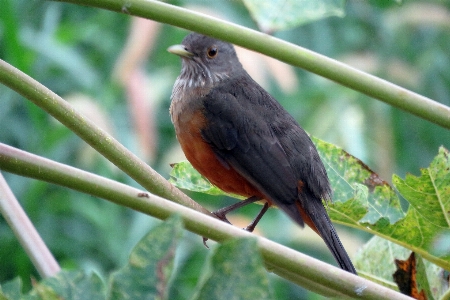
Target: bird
(243, 141)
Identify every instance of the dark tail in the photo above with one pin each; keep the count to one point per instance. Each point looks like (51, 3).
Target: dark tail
(333, 242)
(326, 230)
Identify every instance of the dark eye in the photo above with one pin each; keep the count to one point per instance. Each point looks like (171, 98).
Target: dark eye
(212, 52)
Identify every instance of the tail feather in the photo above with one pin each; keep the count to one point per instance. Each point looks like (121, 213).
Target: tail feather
(326, 230)
(333, 242)
(314, 214)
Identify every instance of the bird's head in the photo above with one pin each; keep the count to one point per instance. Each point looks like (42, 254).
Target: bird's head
(205, 60)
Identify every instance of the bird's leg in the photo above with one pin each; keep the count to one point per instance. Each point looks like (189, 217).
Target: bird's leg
(221, 213)
(255, 221)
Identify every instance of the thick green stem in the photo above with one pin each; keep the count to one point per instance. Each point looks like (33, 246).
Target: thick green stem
(292, 54)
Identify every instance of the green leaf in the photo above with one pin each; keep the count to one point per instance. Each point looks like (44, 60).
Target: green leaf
(376, 261)
(71, 285)
(150, 264)
(384, 216)
(11, 289)
(274, 15)
(184, 176)
(429, 194)
(237, 272)
(441, 244)
(414, 233)
(359, 194)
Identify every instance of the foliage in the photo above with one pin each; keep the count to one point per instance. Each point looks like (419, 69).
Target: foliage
(366, 202)
(281, 15)
(239, 273)
(73, 49)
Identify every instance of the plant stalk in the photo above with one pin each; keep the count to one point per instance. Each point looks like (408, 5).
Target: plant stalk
(294, 55)
(26, 233)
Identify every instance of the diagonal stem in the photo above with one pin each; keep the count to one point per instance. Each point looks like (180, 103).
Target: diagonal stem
(336, 71)
(25, 232)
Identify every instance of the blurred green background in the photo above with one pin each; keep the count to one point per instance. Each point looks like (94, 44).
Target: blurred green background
(83, 55)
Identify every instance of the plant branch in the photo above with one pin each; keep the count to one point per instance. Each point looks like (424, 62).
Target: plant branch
(365, 83)
(25, 232)
(297, 267)
(94, 136)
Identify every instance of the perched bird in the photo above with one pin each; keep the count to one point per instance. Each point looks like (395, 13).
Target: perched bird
(244, 142)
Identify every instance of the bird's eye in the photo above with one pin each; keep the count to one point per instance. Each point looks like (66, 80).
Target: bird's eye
(212, 52)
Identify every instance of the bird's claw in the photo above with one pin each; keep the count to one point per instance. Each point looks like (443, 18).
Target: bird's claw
(205, 239)
(221, 217)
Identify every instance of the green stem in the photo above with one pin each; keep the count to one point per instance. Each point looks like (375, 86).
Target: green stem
(26, 233)
(94, 136)
(292, 54)
(294, 266)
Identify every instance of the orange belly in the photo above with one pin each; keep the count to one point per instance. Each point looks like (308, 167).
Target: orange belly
(203, 159)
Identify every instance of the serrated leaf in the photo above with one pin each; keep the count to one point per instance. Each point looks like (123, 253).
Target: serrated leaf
(367, 197)
(150, 264)
(413, 231)
(273, 15)
(237, 273)
(429, 194)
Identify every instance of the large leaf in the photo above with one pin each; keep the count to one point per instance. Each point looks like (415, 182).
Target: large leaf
(375, 261)
(363, 200)
(150, 265)
(273, 15)
(237, 273)
(359, 194)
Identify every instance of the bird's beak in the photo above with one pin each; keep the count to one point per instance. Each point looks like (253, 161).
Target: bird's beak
(180, 50)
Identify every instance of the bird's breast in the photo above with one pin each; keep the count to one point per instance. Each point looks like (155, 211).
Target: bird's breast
(189, 120)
